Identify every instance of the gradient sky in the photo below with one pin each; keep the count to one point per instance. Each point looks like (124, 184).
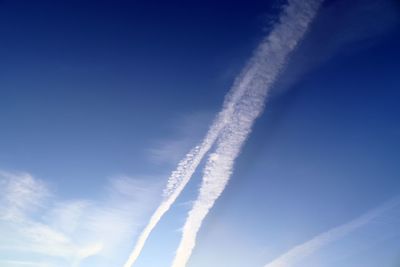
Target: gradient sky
(99, 100)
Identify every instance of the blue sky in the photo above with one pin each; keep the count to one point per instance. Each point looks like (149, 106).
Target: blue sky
(99, 101)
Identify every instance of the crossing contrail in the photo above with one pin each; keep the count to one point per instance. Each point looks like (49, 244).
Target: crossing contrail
(301, 251)
(187, 166)
(261, 71)
(269, 61)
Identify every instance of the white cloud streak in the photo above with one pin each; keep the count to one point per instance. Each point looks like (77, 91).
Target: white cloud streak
(22, 263)
(35, 224)
(188, 128)
(251, 85)
(21, 194)
(187, 166)
(258, 77)
(301, 251)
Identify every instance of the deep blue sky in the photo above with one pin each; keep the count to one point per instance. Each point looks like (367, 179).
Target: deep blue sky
(90, 89)
(104, 78)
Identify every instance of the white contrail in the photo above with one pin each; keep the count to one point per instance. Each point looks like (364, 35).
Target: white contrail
(264, 66)
(299, 252)
(186, 167)
(269, 61)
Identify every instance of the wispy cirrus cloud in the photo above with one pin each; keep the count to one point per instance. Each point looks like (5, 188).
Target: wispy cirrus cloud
(13, 263)
(35, 224)
(187, 130)
(22, 194)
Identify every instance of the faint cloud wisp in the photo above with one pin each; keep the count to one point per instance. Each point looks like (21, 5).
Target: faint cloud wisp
(35, 224)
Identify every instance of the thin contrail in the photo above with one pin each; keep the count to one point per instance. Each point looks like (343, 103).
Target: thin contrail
(301, 251)
(269, 61)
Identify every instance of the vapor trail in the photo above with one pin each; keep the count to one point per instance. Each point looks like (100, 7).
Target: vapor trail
(187, 166)
(301, 251)
(266, 64)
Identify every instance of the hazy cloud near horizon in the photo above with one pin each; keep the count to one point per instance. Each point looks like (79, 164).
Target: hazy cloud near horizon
(47, 231)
